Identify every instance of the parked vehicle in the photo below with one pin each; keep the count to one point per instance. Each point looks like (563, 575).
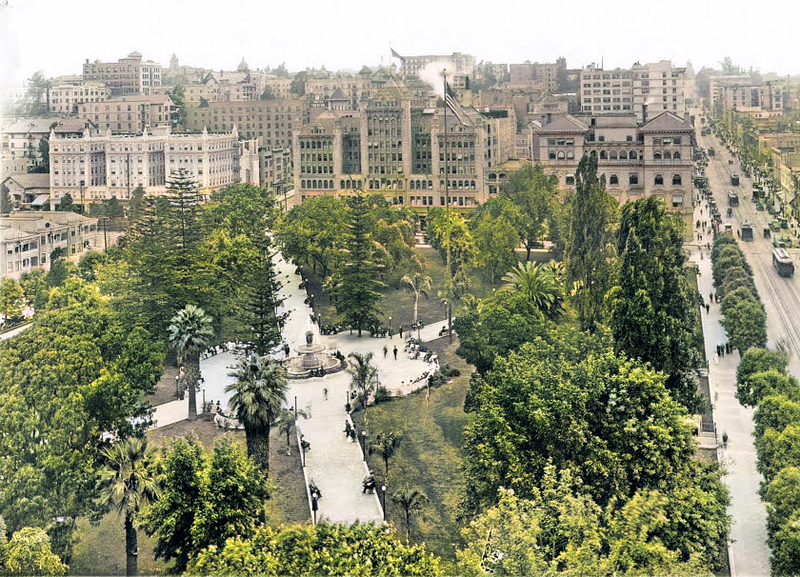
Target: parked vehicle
(747, 231)
(733, 198)
(734, 180)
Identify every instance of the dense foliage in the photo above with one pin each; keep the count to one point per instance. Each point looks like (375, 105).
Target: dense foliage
(325, 549)
(763, 382)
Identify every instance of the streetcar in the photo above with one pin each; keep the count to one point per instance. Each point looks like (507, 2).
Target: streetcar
(782, 262)
(734, 180)
(733, 198)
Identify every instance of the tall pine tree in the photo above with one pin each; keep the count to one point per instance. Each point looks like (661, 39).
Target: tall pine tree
(652, 317)
(590, 245)
(261, 309)
(358, 279)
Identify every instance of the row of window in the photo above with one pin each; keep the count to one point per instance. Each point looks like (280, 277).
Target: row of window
(633, 180)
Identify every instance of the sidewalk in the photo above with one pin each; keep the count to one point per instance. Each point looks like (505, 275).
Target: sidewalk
(748, 550)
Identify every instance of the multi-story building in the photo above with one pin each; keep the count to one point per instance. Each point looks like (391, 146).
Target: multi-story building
(28, 238)
(92, 168)
(129, 75)
(455, 63)
(646, 90)
(637, 160)
(742, 94)
(64, 99)
(22, 139)
(273, 121)
(397, 145)
(128, 114)
(27, 190)
(276, 168)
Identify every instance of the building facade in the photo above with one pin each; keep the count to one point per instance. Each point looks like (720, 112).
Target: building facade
(65, 99)
(92, 168)
(397, 145)
(22, 139)
(741, 93)
(637, 160)
(646, 90)
(28, 238)
(273, 121)
(128, 75)
(455, 63)
(129, 114)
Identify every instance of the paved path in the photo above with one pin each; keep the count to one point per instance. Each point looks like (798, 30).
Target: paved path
(748, 551)
(335, 465)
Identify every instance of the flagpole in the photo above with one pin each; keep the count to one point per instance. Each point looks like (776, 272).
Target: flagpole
(449, 277)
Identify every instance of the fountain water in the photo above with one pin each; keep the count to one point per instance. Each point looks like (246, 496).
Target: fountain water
(312, 360)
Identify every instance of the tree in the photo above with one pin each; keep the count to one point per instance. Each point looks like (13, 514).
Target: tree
(11, 300)
(129, 483)
(385, 444)
(746, 325)
(607, 417)
(411, 500)
(590, 254)
(419, 284)
(29, 553)
(171, 518)
(539, 284)
(34, 285)
(312, 233)
(65, 203)
(364, 377)
(298, 85)
(36, 94)
(178, 97)
(782, 496)
(356, 286)
(652, 309)
(494, 231)
(234, 494)
(258, 393)
(534, 193)
(322, 549)
(287, 425)
(190, 333)
(754, 361)
(267, 94)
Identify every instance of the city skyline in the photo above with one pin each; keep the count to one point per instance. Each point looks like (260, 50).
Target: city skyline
(511, 32)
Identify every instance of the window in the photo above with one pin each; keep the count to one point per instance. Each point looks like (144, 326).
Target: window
(657, 155)
(659, 180)
(667, 155)
(633, 179)
(632, 155)
(677, 156)
(551, 155)
(570, 181)
(603, 155)
(676, 180)
(623, 155)
(613, 179)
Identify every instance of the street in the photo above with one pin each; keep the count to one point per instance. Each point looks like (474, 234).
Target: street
(781, 296)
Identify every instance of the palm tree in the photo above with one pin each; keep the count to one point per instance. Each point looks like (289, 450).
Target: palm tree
(411, 500)
(288, 423)
(419, 284)
(365, 377)
(128, 482)
(258, 394)
(385, 445)
(190, 333)
(538, 284)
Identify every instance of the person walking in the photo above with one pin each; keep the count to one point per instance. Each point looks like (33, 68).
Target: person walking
(385, 351)
(395, 352)
(325, 394)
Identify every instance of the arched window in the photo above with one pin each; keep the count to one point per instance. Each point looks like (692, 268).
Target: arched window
(633, 179)
(612, 155)
(677, 156)
(676, 179)
(667, 155)
(657, 155)
(613, 179)
(472, 184)
(632, 155)
(302, 184)
(603, 155)
(561, 155)
(659, 180)
(593, 153)
(341, 184)
(623, 155)
(551, 155)
(570, 155)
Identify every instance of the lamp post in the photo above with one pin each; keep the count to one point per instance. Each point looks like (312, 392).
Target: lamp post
(390, 327)
(449, 328)
(364, 444)
(314, 505)
(383, 501)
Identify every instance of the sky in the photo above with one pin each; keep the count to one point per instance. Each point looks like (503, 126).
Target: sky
(56, 36)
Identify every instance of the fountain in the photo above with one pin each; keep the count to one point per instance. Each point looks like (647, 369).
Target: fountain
(312, 360)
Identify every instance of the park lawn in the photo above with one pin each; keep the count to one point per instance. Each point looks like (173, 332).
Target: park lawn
(429, 456)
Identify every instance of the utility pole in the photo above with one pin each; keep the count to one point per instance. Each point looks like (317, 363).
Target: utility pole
(449, 275)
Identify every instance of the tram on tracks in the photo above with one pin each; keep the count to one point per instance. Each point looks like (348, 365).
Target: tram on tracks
(782, 262)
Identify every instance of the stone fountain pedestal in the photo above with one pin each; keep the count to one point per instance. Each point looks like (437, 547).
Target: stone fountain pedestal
(312, 360)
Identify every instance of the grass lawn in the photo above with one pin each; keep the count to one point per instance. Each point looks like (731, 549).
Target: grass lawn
(101, 548)
(429, 456)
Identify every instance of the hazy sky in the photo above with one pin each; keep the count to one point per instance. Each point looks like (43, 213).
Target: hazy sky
(56, 36)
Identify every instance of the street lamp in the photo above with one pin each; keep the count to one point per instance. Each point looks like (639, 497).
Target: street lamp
(390, 327)
(364, 444)
(383, 501)
(314, 505)
(449, 328)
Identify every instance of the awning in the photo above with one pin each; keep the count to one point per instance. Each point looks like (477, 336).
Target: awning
(677, 199)
(41, 199)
